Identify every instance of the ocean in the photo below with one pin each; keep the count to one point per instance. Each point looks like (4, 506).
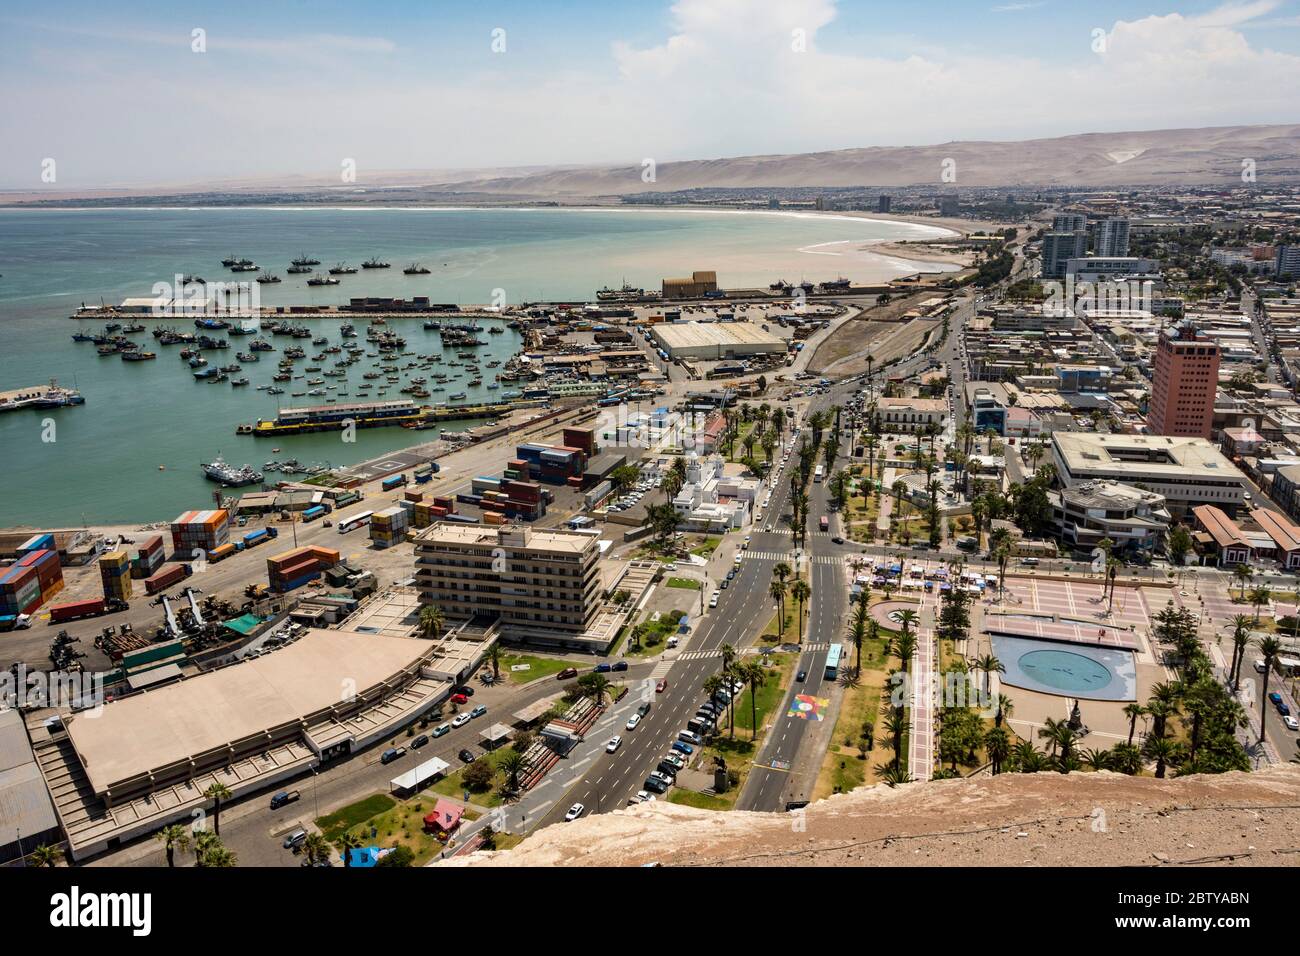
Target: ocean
(131, 453)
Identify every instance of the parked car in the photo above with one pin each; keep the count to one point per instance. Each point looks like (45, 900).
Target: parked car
(682, 747)
(460, 720)
(1291, 722)
(575, 811)
(441, 729)
(713, 598)
(391, 754)
(619, 666)
(655, 785)
(283, 798)
(602, 668)
(643, 708)
(466, 690)
(419, 741)
(459, 699)
(466, 756)
(478, 711)
(667, 778)
(690, 737)
(614, 743)
(567, 673)
(295, 839)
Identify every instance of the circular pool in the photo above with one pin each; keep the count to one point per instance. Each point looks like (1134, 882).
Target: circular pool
(1065, 670)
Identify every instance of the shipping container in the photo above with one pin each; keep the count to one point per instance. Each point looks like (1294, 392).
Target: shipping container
(167, 577)
(394, 481)
(314, 512)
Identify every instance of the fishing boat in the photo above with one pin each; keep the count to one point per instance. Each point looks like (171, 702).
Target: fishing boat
(415, 269)
(375, 263)
(228, 475)
(322, 280)
(299, 270)
(342, 269)
(138, 356)
(305, 260)
(268, 277)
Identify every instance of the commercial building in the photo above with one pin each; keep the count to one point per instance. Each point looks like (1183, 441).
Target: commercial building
(1184, 384)
(1186, 471)
(713, 500)
(911, 414)
(145, 760)
(24, 801)
(534, 583)
(1112, 238)
(1287, 262)
(1101, 268)
(883, 204)
(1133, 519)
(714, 341)
(695, 287)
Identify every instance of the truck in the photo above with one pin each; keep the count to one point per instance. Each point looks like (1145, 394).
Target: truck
(424, 474)
(314, 512)
(393, 481)
(15, 622)
(221, 552)
(167, 577)
(75, 610)
(254, 538)
(284, 797)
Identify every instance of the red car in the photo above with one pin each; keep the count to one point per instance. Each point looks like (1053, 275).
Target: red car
(661, 685)
(459, 699)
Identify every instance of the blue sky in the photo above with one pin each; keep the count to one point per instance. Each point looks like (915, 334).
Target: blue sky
(282, 89)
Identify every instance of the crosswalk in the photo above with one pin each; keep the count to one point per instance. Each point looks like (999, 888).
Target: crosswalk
(716, 652)
(789, 556)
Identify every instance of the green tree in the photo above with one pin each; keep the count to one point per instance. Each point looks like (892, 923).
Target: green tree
(173, 837)
(216, 793)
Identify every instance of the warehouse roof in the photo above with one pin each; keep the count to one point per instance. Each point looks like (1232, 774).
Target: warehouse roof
(25, 804)
(138, 734)
(684, 335)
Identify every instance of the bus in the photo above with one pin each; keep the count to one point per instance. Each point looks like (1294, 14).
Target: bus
(819, 473)
(833, 661)
(825, 523)
(352, 522)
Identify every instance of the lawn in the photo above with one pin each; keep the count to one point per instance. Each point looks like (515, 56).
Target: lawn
(655, 633)
(707, 547)
(403, 825)
(537, 667)
(701, 801)
(334, 825)
(691, 584)
(453, 785)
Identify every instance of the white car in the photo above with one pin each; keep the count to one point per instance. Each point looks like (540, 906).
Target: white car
(642, 796)
(632, 722)
(738, 558)
(670, 566)
(713, 599)
(1291, 722)
(575, 811)
(614, 743)
(461, 720)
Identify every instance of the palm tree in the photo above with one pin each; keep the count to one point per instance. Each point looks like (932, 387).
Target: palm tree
(988, 664)
(430, 621)
(893, 775)
(997, 745)
(800, 590)
(1005, 709)
(316, 848)
(595, 686)
(173, 837)
(44, 856)
(216, 793)
(494, 656)
(1096, 759)
(1061, 736)
(1240, 641)
(1260, 596)
(1270, 647)
(755, 675)
(512, 764)
(781, 571)
(896, 725)
(346, 844)
(1163, 751)
(776, 590)
(219, 856)
(1243, 574)
(1133, 712)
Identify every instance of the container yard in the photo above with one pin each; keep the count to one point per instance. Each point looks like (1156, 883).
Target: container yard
(29, 583)
(148, 558)
(169, 575)
(389, 527)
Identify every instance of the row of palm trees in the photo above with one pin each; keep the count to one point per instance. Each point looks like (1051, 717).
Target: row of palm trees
(798, 589)
(749, 672)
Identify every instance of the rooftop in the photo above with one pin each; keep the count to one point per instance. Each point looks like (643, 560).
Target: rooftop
(453, 534)
(678, 335)
(202, 713)
(1155, 455)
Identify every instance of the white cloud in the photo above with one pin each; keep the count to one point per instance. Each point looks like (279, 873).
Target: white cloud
(725, 82)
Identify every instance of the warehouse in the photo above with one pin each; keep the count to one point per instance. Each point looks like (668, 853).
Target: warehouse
(714, 341)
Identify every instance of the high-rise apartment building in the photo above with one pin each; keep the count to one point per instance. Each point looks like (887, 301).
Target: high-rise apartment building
(1112, 238)
(1184, 384)
(1059, 248)
(1069, 222)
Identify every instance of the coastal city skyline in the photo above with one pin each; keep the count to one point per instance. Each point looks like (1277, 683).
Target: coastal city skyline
(513, 84)
(771, 435)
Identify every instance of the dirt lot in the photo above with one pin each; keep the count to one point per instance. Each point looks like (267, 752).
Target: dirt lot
(872, 331)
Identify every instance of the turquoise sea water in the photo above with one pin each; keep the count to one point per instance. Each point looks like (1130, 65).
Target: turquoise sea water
(103, 465)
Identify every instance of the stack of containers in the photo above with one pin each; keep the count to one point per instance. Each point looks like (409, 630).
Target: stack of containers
(485, 483)
(115, 573)
(517, 468)
(20, 591)
(149, 558)
(37, 542)
(423, 515)
(388, 527)
(293, 569)
(413, 496)
(49, 572)
(200, 531)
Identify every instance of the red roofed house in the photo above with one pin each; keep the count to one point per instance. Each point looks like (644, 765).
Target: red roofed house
(444, 819)
(1285, 535)
(1232, 545)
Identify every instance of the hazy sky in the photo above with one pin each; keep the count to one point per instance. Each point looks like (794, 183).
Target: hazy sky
(121, 96)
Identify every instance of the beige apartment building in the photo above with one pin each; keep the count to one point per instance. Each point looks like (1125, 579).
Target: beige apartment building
(541, 586)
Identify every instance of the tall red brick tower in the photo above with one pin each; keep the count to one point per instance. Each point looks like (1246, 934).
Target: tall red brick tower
(1185, 382)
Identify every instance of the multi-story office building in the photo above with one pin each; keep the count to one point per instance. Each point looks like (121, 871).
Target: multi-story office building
(1059, 248)
(1070, 222)
(537, 584)
(1112, 238)
(1090, 512)
(1186, 471)
(1184, 384)
(884, 204)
